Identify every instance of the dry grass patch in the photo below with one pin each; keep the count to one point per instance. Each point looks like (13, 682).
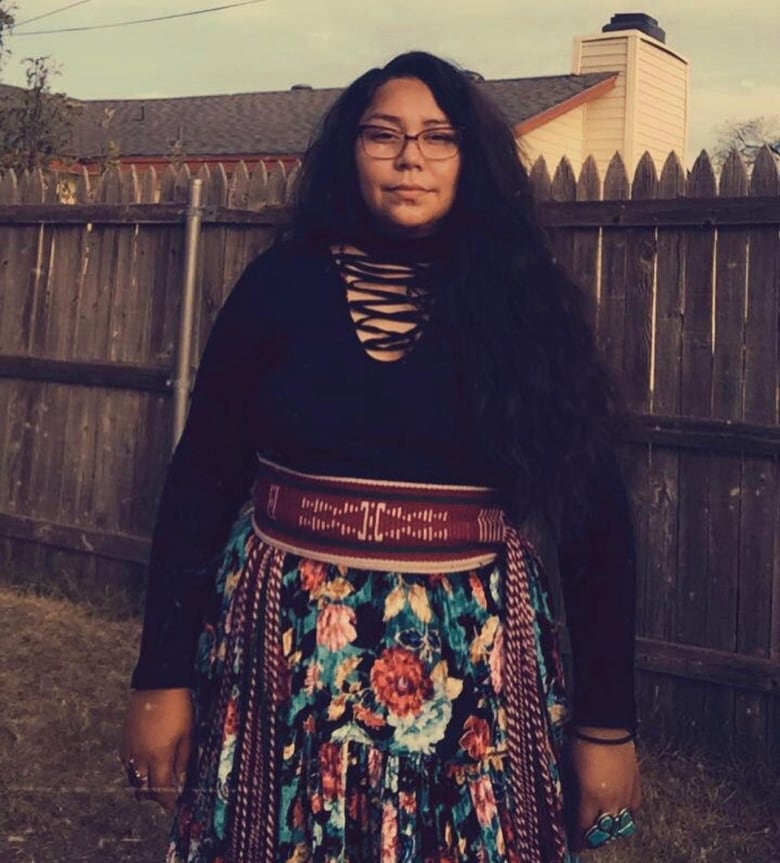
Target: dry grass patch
(63, 796)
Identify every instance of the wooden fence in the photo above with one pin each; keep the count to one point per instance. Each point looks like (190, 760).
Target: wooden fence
(685, 274)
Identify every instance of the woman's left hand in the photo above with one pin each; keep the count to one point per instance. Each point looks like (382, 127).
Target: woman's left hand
(607, 777)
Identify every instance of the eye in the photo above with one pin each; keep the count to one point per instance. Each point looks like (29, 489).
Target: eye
(442, 137)
(380, 135)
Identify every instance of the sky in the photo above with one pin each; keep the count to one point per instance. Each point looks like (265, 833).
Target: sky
(732, 48)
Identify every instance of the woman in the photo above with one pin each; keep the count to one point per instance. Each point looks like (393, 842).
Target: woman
(409, 383)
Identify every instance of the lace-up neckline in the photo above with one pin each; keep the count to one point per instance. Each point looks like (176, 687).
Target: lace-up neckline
(387, 294)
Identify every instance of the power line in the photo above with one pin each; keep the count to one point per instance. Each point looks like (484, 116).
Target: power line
(138, 20)
(52, 12)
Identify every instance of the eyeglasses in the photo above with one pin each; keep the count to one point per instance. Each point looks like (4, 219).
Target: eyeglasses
(379, 142)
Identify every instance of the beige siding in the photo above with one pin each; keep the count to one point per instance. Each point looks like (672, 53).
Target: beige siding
(648, 107)
(661, 93)
(594, 54)
(556, 139)
(604, 118)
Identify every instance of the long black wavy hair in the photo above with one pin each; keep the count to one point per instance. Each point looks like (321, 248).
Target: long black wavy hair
(535, 390)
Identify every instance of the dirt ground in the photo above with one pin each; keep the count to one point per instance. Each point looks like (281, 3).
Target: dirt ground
(64, 799)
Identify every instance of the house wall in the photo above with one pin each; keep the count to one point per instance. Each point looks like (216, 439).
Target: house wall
(648, 107)
(560, 137)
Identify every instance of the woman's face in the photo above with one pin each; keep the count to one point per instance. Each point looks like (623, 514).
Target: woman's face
(410, 193)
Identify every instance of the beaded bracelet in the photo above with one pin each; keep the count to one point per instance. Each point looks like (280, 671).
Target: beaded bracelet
(617, 741)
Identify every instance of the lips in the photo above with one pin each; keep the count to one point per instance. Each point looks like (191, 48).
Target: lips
(408, 188)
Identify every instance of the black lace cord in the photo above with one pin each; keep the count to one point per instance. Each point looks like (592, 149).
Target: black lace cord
(368, 277)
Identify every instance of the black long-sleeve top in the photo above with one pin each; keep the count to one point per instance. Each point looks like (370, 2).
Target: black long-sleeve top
(284, 375)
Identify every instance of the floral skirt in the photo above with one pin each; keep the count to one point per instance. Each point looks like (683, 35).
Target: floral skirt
(390, 742)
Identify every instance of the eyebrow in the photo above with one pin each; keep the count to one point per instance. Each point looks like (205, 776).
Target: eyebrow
(390, 118)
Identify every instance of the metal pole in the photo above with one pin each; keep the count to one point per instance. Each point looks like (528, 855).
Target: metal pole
(181, 383)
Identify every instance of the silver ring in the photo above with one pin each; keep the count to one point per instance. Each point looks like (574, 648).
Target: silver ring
(134, 776)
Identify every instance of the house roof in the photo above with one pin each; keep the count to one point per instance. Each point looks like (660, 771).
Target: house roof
(272, 123)
(8, 90)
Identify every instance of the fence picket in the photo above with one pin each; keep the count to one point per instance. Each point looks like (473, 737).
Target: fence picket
(220, 189)
(612, 307)
(695, 400)
(540, 180)
(657, 604)
(82, 192)
(585, 259)
(9, 188)
(276, 184)
(257, 191)
(292, 182)
(181, 186)
(238, 190)
(563, 188)
(36, 189)
(148, 184)
(725, 470)
(636, 333)
(204, 175)
(52, 188)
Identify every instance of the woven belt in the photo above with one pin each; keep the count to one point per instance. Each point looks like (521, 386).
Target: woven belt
(375, 524)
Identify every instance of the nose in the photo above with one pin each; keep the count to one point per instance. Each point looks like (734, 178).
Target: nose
(411, 154)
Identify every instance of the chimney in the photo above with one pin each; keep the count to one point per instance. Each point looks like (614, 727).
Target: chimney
(635, 21)
(647, 108)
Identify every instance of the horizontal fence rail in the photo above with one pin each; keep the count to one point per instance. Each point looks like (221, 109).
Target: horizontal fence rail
(682, 269)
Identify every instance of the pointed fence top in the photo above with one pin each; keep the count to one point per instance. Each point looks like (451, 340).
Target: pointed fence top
(616, 185)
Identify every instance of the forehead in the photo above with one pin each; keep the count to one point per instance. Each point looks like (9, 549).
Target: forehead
(405, 101)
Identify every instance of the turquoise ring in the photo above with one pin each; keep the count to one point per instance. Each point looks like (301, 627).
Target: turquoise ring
(608, 827)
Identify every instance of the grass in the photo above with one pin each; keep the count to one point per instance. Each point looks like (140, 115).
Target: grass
(63, 795)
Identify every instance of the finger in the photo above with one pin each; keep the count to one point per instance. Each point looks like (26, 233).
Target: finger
(137, 774)
(181, 760)
(587, 814)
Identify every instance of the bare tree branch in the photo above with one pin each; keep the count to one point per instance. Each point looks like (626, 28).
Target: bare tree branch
(747, 137)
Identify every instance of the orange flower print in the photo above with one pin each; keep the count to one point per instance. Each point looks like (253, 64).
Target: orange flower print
(400, 682)
(367, 717)
(330, 771)
(336, 626)
(312, 678)
(496, 661)
(407, 801)
(354, 805)
(375, 766)
(476, 737)
(389, 833)
(477, 590)
(312, 574)
(231, 718)
(484, 800)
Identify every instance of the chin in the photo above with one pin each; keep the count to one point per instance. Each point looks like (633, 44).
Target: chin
(411, 226)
